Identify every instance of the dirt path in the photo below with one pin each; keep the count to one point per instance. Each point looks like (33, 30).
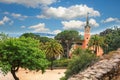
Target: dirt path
(32, 75)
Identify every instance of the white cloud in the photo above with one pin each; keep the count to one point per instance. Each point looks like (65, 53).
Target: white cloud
(77, 25)
(39, 27)
(30, 3)
(19, 16)
(1, 22)
(23, 26)
(73, 24)
(56, 31)
(4, 20)
(93, 23)
(41, 16)
(75, 11)
(110, 19)
(16, 15)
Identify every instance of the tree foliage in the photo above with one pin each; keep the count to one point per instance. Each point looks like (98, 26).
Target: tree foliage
(31, 35)
(53, 49)
(80, 62)
(21, 52)
(107, 31)
(66, 38)
(67, 35)
(112, 40)
(77, 51)
(45, 39)
(35, 36)
(96, 41)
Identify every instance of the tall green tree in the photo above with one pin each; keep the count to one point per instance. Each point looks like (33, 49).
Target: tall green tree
(66, 38)
(53, 50)
(96, 41)
(112, 40)
(21, 52)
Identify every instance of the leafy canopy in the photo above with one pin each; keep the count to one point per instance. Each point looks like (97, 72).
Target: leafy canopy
(96, 41)
(53, 49)
(111, 39)
(67, 35)
(36, 36)
(21, 52)
(66, 38)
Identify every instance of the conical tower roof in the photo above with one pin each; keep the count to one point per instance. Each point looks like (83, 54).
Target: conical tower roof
(87, 20)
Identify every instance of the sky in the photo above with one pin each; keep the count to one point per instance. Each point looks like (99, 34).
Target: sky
(53, 16)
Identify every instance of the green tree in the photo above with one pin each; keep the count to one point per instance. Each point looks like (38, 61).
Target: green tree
(45, 39)
(21, 52)
(96, 41)
(66, 38)
(53, 50)
(107, 31)
(112, 40)
(35, 36)
(32, 35)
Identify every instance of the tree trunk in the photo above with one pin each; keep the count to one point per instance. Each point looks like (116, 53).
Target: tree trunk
(14, 75)
(51, 64)
(96, 49)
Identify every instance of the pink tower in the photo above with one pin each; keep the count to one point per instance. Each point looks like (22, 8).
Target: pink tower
(86, 34)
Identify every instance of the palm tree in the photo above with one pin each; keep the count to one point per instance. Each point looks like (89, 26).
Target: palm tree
(96, 41)
(53, 50)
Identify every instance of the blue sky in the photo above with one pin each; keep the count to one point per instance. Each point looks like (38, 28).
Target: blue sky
(54, 16)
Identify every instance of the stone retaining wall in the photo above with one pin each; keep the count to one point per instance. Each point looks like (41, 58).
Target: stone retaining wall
(105, 69)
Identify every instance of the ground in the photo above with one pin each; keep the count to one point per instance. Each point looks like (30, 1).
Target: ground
(32, 75)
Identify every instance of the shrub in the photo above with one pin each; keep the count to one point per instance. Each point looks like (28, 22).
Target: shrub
(62, 63)
(79, 63)
(63, 78)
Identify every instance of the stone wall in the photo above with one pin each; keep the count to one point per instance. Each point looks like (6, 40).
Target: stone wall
(108, 68)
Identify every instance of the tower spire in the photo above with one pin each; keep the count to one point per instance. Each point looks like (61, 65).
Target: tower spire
(87, 20)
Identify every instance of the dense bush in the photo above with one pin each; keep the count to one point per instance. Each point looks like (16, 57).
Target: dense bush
(62, 63)
(79, 63)
(63, 78)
